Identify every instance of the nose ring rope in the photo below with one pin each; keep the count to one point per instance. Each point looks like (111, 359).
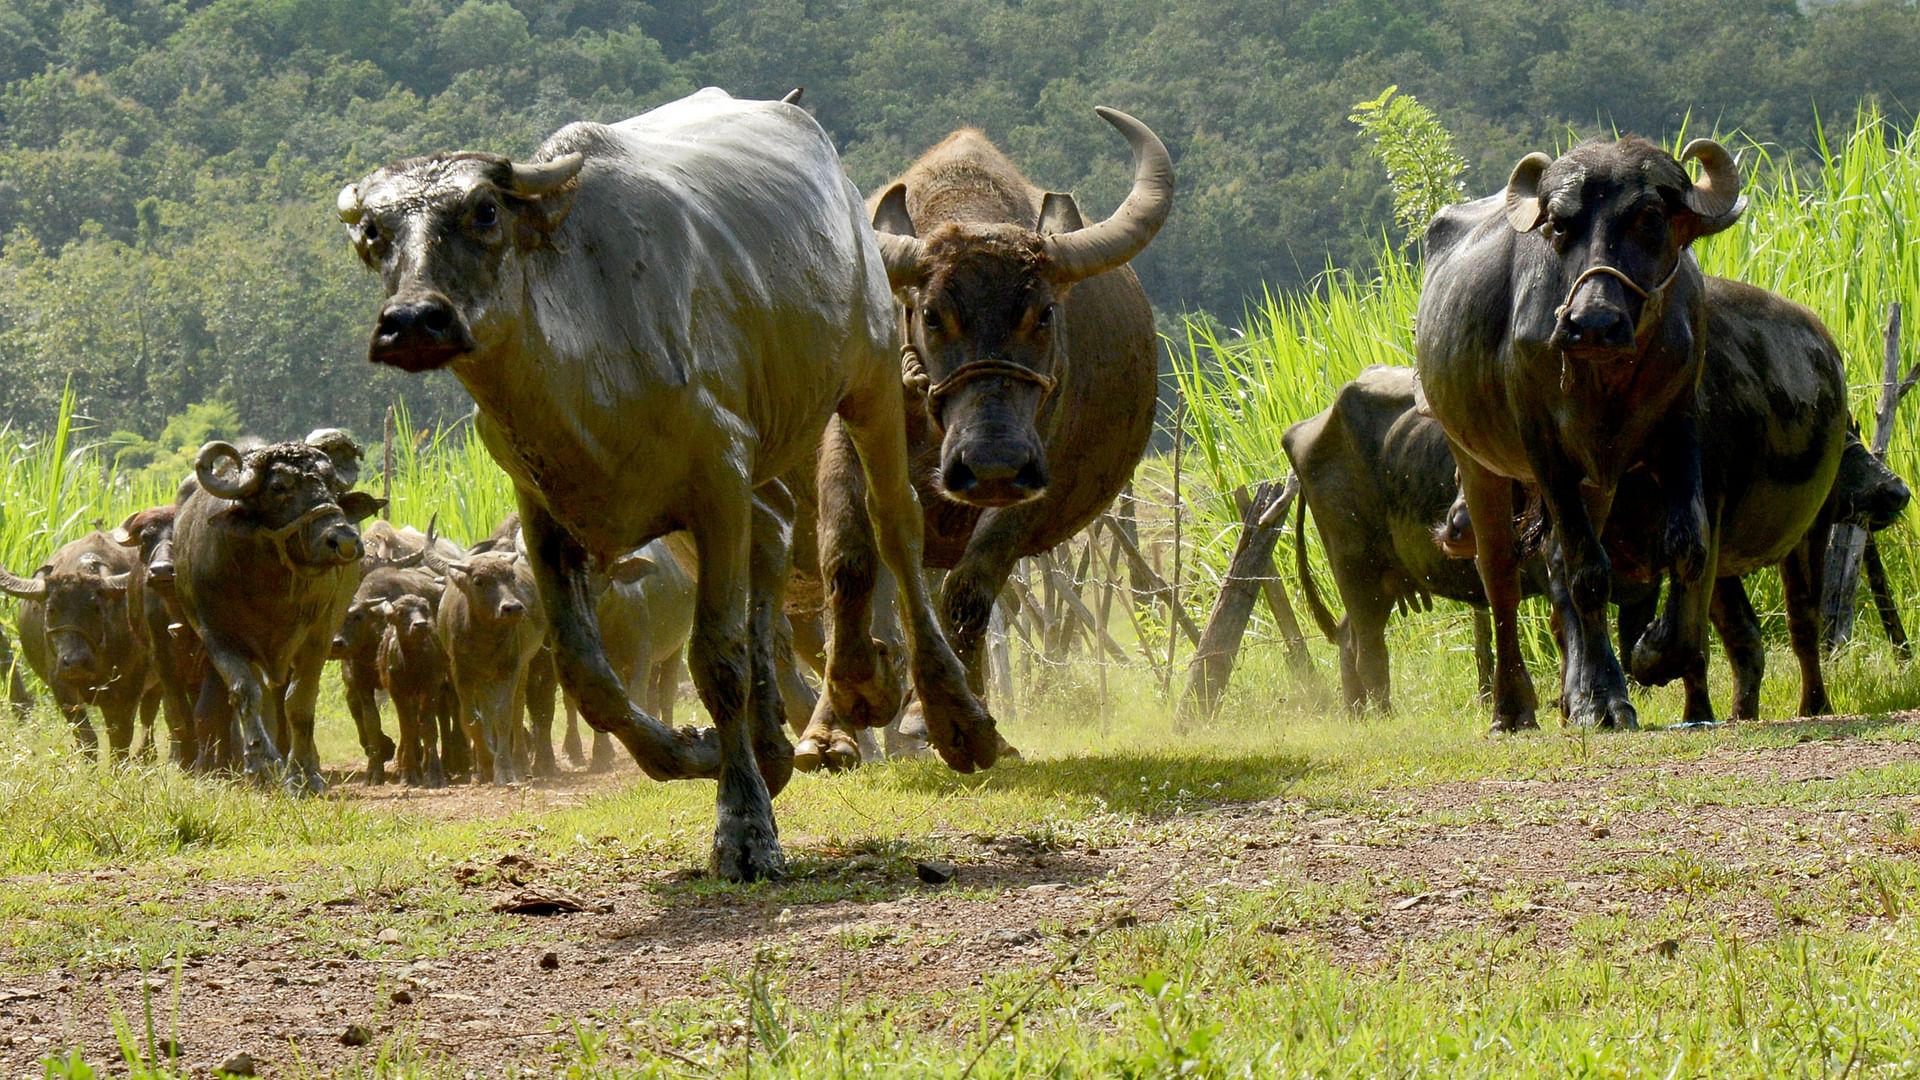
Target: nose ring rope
(913, 372)
(1648, 298)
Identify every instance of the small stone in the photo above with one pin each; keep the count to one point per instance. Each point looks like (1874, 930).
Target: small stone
(389, 936)
(282, 980)
(1665, 949)
(356, 1035)
(402, 997)
(1600, 832)
(549, 960)
(934, 873)
(169, 1049)
(240, 1064)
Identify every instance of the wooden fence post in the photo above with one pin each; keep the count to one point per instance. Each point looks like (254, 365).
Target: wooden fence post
(1848, 545)
(1212, 664)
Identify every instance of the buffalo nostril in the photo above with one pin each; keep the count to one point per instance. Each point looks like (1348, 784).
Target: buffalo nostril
(1032, 476)
(512, 607)
(958, 477)
(437, 321)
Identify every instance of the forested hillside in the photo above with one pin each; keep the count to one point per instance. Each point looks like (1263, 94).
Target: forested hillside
(167, 167)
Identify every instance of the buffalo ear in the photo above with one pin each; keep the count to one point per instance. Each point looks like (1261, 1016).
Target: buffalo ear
(1524, 209)
(1059, 214)
(358, 505)
(542, 196)
(890, 214)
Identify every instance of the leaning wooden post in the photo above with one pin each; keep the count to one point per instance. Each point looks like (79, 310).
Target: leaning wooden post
(1173, 593)
(1212, 664)
(1883, 600)
(1849, 543)
(1299, 660)
(386, 470)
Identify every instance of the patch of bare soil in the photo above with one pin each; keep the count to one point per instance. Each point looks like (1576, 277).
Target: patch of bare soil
(1525, 859)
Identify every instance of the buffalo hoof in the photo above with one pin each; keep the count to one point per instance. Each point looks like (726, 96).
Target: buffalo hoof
(570, 746)
(376, 772)
(1514, 725)
(958, 725)
(301, 783)
(871, 697)
(1656, 660)
(810, 753)
(1696, 725)
(746, 850)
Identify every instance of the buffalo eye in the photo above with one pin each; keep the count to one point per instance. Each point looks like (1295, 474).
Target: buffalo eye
(930, 319)
(370, 233)
(1044, 319)
(487, 214)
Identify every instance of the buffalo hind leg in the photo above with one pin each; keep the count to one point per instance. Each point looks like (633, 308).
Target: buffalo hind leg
(746, 841)
(769, 555)
(1483, 653)
(1802, 579)
(1496, 555)
(959, 725)
(297, 706)
(1739, 629)
(560, 571)
(541, 682)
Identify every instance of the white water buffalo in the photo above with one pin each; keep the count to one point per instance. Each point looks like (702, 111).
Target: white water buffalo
(654, 318)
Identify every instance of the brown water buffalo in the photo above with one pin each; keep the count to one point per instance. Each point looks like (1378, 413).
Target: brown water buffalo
(489, 625)
(646, 613)
(654, 318)
(76, 635)
(1033, 375)
(417, 677)
(179, 663)
(1559, 338)
(266, 552)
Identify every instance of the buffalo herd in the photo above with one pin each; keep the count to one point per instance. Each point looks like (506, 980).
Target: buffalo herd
(744, 411)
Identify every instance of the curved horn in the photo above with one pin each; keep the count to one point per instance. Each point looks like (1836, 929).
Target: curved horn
(1100, 248)
(430, 554)
(793, 96)
(32, 588)
(1716, 195)
(1524, 211)
(117, 582)
(347, 204)
(214, 483)
(530, 181)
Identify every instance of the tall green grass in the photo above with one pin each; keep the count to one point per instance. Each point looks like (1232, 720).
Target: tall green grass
(1831, 230)
(56, 487)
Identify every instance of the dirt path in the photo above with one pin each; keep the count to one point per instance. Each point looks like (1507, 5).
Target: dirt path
(1400, 868)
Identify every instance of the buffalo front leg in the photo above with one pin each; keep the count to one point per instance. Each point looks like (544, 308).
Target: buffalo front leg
(862, 688)
(1483, 654)
(246, 703)
(959, 725)
(540, 687)
(560, 572)
(297, 705)
(1594, 687)
(746, 842)
(1496, 556)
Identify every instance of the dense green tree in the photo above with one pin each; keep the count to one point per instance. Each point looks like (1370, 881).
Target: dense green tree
(167, 167)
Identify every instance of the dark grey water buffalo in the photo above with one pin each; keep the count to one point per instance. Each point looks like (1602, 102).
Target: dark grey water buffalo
(77, 637)
(1559, 338)
(266, 551)
(1779, 469)
(1773, 422)
(1031, 395)
(179, 663)
(1378, 477)
(489, 624)
(655, 317)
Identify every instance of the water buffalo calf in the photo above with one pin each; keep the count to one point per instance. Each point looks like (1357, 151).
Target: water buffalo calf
(415, 673)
